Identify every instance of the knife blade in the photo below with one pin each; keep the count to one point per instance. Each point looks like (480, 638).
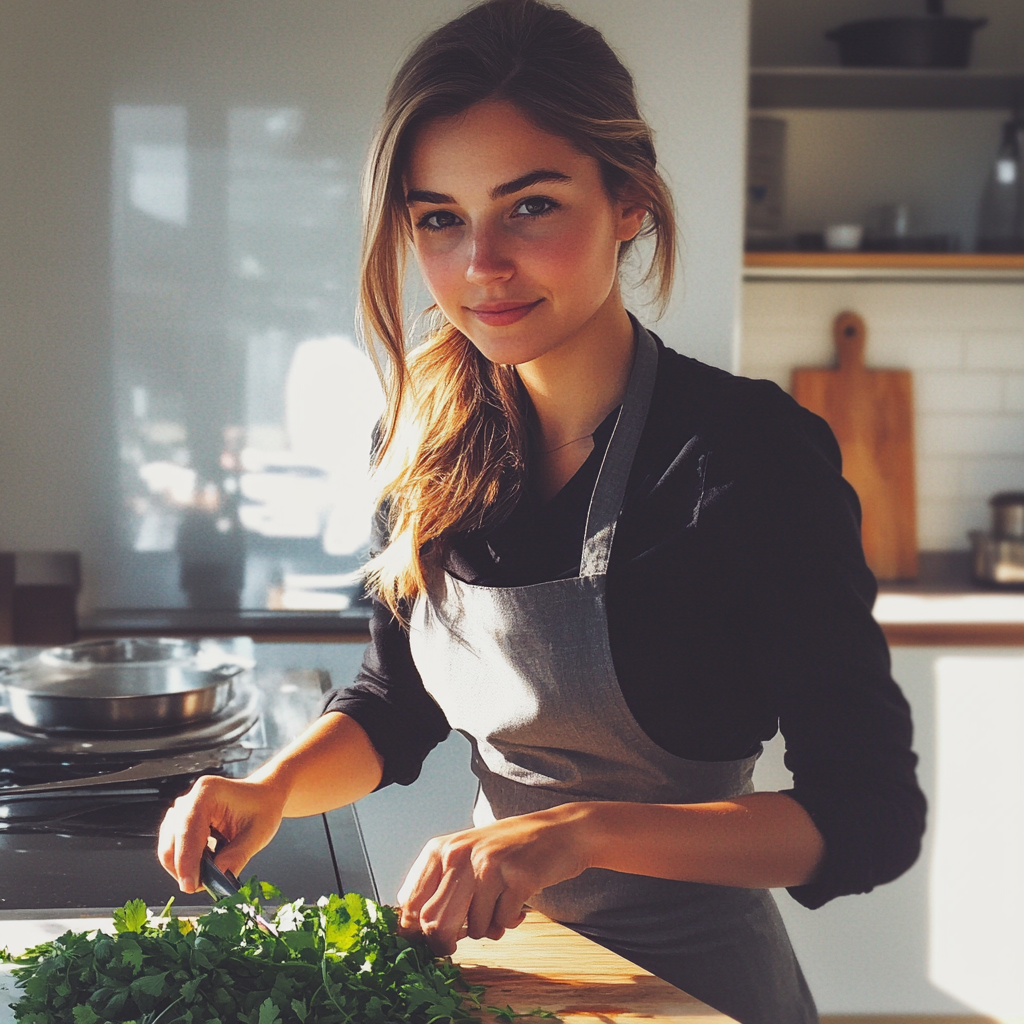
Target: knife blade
(220, 883)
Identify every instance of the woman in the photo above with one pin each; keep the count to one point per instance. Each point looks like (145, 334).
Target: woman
(613, 568)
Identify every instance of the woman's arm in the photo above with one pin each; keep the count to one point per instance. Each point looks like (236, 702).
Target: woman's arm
(331, 764)
(483, 876)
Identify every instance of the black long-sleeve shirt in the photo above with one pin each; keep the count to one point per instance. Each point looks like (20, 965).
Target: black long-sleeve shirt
(739, 602)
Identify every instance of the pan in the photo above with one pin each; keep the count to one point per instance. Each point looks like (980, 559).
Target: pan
(122, 685)
(933, 41)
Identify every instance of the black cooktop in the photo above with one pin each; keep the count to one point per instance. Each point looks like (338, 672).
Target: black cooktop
(66, 852)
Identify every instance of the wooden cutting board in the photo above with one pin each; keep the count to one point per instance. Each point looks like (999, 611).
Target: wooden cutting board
(543, 965)
(871, 413)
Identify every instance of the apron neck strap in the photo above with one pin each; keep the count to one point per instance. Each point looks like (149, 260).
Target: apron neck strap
(610, 488)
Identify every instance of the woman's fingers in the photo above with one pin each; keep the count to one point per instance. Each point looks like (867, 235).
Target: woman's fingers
(443, 916)
(420, 884)
(244, 813)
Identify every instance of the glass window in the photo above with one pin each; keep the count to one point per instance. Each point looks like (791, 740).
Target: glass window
(244, 406)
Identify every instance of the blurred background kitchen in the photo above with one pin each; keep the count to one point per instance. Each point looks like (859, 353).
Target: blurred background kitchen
(183, 402)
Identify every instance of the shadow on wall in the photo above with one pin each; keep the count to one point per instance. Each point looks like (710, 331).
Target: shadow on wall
(945, 937)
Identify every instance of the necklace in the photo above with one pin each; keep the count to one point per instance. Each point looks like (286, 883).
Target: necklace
(567, 443)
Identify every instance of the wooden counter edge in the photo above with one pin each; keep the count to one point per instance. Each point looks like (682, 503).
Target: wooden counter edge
(954, 634)
(886, 260)
(544, 965)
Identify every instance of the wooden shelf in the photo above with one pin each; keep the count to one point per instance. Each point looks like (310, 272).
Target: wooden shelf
(945, 266)
(885, 88)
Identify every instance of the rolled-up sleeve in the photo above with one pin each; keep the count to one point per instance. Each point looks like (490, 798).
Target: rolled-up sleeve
(824, 660)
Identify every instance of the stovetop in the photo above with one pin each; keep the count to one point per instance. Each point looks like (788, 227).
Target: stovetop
(95, 846)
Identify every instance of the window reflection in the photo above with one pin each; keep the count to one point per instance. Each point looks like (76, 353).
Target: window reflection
(245, 407)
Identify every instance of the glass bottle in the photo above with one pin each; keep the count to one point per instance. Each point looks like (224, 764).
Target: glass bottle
(1001, 217)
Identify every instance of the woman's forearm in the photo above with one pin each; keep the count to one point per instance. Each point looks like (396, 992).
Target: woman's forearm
(765, 840)
(331, 764)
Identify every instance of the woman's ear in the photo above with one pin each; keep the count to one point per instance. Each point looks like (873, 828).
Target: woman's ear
(631, 216)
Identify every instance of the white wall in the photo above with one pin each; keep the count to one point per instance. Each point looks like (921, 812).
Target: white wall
(62, 68)
(965, 346)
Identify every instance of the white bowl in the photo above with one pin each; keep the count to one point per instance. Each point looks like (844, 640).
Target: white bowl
(843, 237)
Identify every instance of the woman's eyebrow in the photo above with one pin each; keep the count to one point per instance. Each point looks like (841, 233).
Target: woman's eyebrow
(421, 195)
(526, 180)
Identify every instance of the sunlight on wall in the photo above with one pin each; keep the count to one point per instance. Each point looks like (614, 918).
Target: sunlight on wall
(977, 887)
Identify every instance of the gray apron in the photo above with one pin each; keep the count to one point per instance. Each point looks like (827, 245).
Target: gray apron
(526, 674)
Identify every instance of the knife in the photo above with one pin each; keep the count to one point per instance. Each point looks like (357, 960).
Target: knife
(161, 767)
(220, 883)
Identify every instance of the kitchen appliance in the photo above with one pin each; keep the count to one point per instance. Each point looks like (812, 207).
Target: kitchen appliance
(934, 41)
(871, 412)
(1001, 215)
(89, 843)
(999, 555)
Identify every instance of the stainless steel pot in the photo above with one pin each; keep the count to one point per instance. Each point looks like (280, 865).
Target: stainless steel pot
(119, 685)
(1008, 514)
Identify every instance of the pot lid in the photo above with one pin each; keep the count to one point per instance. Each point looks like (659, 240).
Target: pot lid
(130, 667)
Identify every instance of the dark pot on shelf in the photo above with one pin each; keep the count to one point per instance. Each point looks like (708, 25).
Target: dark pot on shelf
(933, 41)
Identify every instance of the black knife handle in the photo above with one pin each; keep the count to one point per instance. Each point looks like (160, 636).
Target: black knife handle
(216, 882)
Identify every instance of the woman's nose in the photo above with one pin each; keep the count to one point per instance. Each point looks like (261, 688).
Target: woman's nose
(488, 258)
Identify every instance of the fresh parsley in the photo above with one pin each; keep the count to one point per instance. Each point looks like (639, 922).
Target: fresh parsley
(338, 962)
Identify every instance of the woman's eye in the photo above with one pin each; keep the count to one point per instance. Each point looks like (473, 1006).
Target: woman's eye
(438, 221)
(535, 206)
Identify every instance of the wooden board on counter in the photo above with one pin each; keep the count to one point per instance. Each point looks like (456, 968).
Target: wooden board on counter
(545, 965)
(871, 413)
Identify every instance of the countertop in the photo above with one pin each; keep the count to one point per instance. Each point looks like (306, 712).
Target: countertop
(944, 606)
(539, 964)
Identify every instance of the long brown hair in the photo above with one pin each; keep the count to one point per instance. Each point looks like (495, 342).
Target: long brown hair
(451, 453)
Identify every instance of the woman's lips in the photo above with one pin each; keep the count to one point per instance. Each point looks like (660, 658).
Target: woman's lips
(501, 314)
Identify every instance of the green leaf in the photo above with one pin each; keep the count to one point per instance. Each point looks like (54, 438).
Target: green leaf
(269, 1013)
(269, 891)
(131, 954)
(300, 1010)
(149, 984)
(85, 1014)
(190, 988)
(131, 917)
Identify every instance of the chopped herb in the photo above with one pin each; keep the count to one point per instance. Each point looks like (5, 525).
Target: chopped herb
(338, 962)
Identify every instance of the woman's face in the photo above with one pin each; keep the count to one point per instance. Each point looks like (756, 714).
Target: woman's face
(513, 231)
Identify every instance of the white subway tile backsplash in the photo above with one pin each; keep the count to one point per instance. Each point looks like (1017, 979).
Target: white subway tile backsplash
(958, 392)
(793, 347)
(961, 434)
(1013, 392)
(944, 525)
(963, 342)
(939, 477)
(992, 351)
(895, 347)
(984, 476)
(775, 372)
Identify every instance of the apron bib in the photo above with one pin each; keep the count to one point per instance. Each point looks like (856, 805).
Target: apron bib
(526, 674)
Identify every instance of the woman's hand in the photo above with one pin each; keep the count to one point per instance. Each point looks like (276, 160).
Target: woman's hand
(247, 814)
(476, 882)
(331, 764)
